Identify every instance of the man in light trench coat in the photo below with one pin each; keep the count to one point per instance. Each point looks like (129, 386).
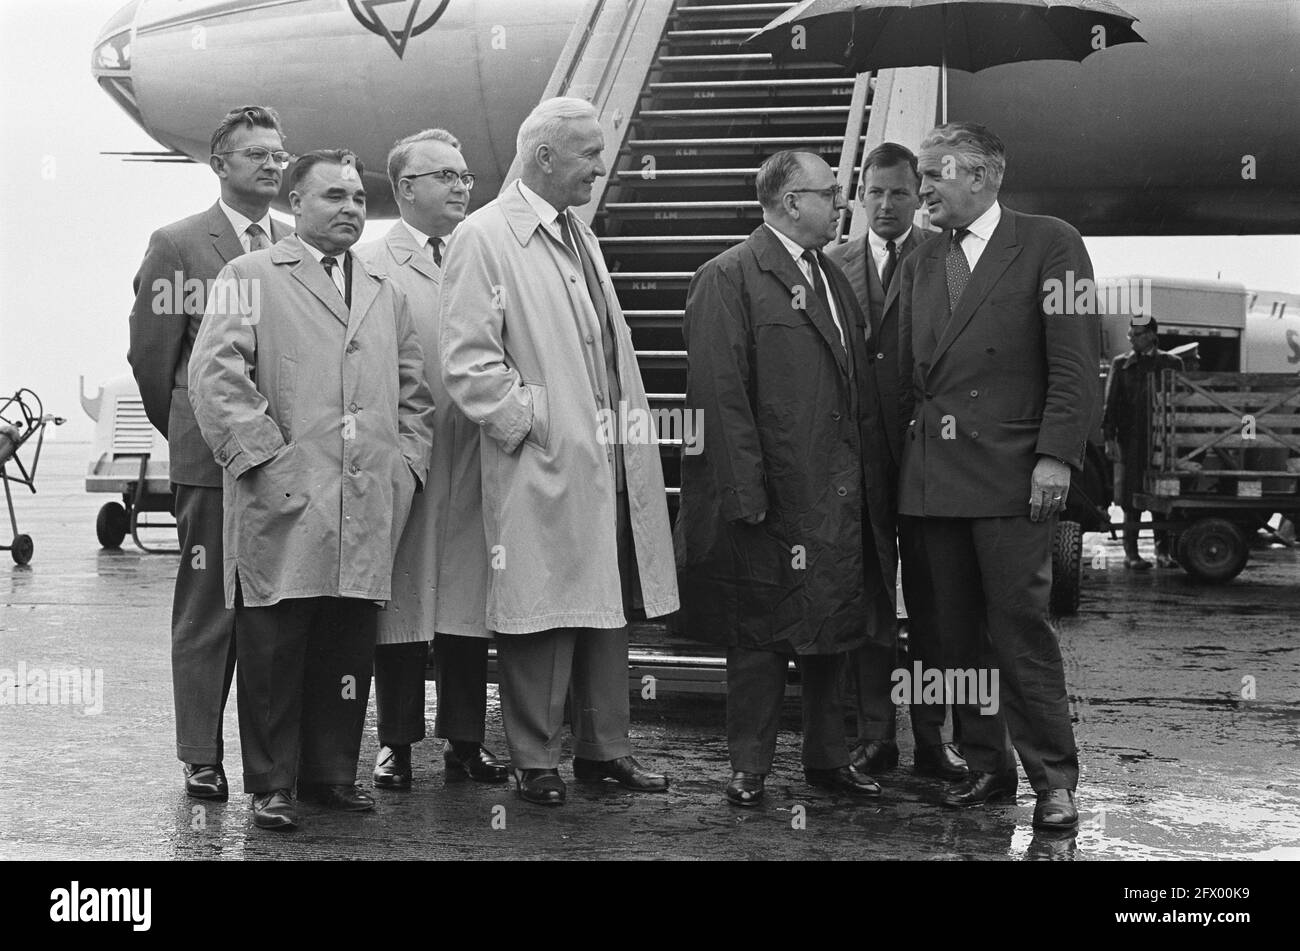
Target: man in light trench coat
(306, 381)
(440, 572)
(536, 352)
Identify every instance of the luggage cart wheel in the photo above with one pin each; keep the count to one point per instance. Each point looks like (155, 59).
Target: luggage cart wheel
(111, 525)
(1067, 568)
(1213, 550)
(22, 549)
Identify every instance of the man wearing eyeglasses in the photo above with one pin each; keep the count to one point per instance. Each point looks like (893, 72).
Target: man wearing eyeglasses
(1125, 428)
(180, 264)
(440, 571)
(785, 538)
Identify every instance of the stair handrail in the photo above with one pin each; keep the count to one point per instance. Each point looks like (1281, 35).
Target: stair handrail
(858, 110)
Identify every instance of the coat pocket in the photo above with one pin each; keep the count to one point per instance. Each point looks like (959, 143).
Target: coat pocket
(287, 384)
(539, 434)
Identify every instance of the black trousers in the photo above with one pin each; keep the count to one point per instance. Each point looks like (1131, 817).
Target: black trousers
(461, 687)
(304, 681)
(994, 575)
(203, 628)
(872, 665)
(755, 692)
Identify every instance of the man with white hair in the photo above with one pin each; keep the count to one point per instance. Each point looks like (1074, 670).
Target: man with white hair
(535, 351)
(1001, 388)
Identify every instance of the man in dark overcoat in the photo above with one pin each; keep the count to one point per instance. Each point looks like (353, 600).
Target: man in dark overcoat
(784, 537)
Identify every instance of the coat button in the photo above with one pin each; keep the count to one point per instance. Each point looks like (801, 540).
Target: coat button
(573, 279)
(353, 407)
(841, 491)
(221, 455)
(974, 393)
(880, 356)
(835, 415)
(974, 434)
(352, 347)
(590, 339)
(354, 469)
(929, 396)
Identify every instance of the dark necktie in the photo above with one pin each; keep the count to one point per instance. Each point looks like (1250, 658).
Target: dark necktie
(436, 245)
(566, 232)
(891, 265)
(958, 268)
(819, 286)
(257, 239)
(330, 264)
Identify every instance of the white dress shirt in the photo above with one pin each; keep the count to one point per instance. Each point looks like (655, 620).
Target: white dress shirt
(805, 269)
(981, 230)
(335, 273)
(422, 240)
(880, 254)
(240, 223)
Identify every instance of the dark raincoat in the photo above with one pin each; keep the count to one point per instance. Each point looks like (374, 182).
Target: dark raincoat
(789, 427)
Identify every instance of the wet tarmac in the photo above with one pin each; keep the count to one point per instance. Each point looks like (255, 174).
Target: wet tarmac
(1186, 702)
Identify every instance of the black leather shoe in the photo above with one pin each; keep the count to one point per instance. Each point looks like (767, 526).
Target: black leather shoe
(875, 756)
(345, 797)
(745, 789)
(541, 786)
(941, 760)
(625, 770)
(1056, 810)
(846, 779)
(979, 788)
(274, 810)
(477, 760)
(206, 781)
(393, 767)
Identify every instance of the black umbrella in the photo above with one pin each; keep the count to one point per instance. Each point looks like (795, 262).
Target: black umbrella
(965, 34)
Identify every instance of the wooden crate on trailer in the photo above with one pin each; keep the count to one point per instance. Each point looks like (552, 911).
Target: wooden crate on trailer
(1227, 434)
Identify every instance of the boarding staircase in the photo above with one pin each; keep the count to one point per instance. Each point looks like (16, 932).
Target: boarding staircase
(688, 119)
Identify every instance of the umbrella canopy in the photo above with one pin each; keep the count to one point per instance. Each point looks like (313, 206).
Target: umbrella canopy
(964, 34)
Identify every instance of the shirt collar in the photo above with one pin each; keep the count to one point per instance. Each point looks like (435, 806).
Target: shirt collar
(240, 223)
(878, 243)
(421, 239)
(791, 246)
(545, 210)
(984, 226)
(317, 253)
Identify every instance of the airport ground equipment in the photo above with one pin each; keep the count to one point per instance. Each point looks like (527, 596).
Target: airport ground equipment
(128, 458)
(22, 417)
(1225, 458)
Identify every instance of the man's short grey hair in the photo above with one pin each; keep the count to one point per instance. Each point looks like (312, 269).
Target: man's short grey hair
(545, 125)
(776, 172)
(972, 144)
(399, 156)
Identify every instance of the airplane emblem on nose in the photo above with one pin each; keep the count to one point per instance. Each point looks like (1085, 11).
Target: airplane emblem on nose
(366, 12)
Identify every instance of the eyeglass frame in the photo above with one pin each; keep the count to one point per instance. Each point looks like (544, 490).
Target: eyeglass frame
(832, 192)
(460, 176)
(282, 164)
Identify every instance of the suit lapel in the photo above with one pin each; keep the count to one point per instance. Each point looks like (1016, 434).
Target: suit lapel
(914, 240)
(874, 290)
(312, 276)
(773, 257)
(1001, 251)
(365, 288)
(404, 250)
(224, 240)
(279, 231)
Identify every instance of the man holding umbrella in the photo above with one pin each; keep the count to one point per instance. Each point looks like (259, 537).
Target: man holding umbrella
(1003, 395)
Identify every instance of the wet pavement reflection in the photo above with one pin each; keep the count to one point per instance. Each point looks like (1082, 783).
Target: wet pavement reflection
(1186, 702)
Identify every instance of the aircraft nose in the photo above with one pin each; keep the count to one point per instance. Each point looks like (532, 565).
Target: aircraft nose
(110, 58)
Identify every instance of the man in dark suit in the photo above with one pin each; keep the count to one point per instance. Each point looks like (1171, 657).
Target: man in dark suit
(1000, 340)
(785, 534)
(182, 261)
(1125, 425)
(889, 198)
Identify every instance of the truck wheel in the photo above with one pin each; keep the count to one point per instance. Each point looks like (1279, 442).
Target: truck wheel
(1067, 568)
(22, 549)
(1213, 550)
(111, 525)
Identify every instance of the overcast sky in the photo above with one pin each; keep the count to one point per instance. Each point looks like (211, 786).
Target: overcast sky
(76, 223)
